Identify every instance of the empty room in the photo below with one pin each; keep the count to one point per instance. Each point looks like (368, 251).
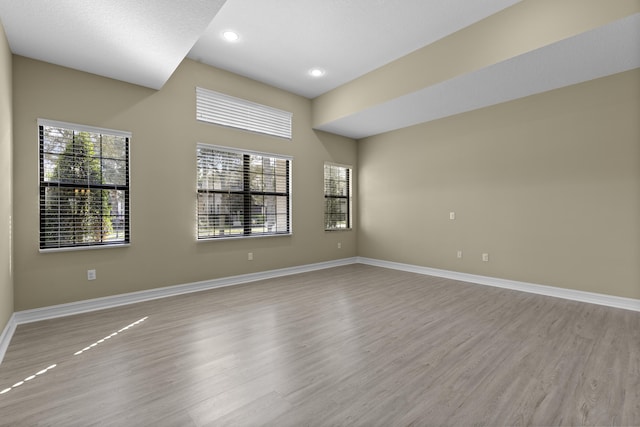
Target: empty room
(322, 213)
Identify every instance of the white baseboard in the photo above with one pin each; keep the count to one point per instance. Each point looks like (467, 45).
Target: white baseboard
(570, 294)
(61, 310)
(6, 335)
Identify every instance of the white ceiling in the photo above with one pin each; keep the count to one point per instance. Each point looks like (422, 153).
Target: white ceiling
(280, 40)
(136, 41)
(143, 41)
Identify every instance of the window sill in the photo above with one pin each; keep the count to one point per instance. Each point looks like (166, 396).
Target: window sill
(84, 248)
(260, 236)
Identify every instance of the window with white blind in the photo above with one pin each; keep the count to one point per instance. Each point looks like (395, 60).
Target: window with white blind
(220, 109)
(242, 193)
(84, 186)
(337, 197)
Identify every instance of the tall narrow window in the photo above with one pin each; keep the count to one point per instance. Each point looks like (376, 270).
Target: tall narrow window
(337, 197)
(84, 186)
(242, 193)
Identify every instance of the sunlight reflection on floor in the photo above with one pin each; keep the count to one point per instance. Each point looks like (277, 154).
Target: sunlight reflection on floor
(89, 347)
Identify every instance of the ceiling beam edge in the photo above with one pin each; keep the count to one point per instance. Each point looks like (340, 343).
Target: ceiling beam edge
(524, 27)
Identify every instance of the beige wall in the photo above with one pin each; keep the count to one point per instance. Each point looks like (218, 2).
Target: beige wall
(548, 185)
(6, 279)
(165, 133)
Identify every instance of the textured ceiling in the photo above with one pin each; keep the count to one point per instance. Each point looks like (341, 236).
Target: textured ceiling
(143, 41)
(136, 41)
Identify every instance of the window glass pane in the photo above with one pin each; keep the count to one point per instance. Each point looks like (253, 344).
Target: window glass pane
(76, 166)
(220, 215)
(51, 171)
(56, 139)
(208, 219)
(281, 184)
(116, 215)
(81, 215)
(258, 166)
(114, 147)
(220, 171)
(336, 213)
(282, 214)
(257, 212)
(114, 172)
(336, 181)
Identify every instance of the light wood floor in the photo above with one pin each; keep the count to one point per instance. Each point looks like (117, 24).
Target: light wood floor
(355, 345)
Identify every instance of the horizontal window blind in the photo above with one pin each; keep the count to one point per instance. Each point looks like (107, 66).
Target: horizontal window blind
(84, 186)
(218, 108)
(242, 193)
(337, 197)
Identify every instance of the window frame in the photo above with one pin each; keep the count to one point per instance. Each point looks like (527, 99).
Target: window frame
(246, 193)
(348, 197)
(43, 184)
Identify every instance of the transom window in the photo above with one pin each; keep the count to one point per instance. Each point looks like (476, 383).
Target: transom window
(225, 110)
(337, 197)
(84, 186)
(242, 193)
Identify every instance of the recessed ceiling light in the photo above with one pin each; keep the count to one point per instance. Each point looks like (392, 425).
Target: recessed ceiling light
(316, 72)
(230, 36)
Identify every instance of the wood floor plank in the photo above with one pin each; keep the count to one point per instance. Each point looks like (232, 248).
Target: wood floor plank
(353, 345)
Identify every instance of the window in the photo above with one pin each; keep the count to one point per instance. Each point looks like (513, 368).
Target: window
(337, 197)
(220, 109)
(84, 186)
(242, 194)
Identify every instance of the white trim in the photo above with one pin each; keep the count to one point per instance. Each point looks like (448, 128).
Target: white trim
(7, 334)
(241, 151)
(570, 294)
(85, 248)
(342, 165)
(83, 128)
(69, 309)
(61, 310)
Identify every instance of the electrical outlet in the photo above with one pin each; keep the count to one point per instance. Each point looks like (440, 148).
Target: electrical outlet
(250, 256)
(339, 245)
(459, 255)
(485, 257)
(91, 275)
